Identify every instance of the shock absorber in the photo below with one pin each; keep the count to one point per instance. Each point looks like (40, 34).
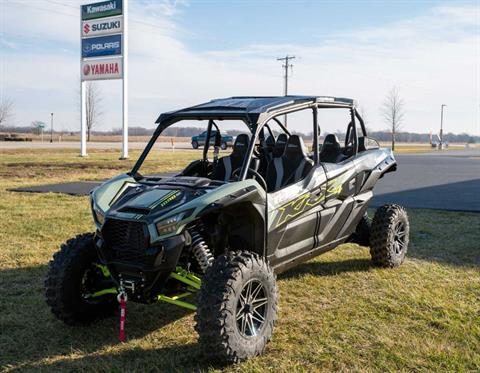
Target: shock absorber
(200, 250)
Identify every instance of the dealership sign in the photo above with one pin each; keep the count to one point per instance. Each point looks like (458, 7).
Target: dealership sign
(106, 26)
(105, 68)
(102, 46)
(103, 9)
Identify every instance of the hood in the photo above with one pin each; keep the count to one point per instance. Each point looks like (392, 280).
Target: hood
(125, 198)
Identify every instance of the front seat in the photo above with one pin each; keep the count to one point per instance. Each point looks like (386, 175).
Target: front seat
(331, 149)
(266, 154)
(279, 146)
(293, 166)
(226, 165)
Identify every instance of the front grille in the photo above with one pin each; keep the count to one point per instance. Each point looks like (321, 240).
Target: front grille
(127, 241)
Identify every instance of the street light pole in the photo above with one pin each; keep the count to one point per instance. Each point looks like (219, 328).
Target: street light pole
(51, 127)
(441, 126)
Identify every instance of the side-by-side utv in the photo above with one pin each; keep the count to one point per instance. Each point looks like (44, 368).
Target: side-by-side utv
(228, 223)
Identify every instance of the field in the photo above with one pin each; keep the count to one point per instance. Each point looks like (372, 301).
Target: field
(337, 312)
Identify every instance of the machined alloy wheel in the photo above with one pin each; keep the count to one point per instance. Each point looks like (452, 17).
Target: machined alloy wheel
(252, 309)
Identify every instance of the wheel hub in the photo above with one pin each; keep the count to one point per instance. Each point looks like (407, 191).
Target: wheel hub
(251, 310)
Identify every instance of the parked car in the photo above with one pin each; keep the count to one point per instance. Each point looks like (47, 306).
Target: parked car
(199, 140)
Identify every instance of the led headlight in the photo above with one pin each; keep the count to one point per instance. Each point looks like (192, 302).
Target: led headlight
(99, 216)
(168, 225)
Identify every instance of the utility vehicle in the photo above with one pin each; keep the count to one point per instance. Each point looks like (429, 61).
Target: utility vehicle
(227, 224)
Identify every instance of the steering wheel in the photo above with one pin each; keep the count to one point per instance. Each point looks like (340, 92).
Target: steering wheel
(255, 174)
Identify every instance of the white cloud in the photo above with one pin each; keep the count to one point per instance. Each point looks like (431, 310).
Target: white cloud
(433, 58)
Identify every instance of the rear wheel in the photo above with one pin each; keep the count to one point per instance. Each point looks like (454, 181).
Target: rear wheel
(237, 307)
(74, 277)
(389, 236)
(223, 146)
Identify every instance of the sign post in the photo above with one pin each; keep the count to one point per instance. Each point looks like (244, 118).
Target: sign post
(125, 85)
(104, 56)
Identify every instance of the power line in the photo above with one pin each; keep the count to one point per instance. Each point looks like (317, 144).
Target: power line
(286, 65)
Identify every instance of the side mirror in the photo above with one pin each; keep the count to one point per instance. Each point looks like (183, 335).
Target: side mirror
(371, 143)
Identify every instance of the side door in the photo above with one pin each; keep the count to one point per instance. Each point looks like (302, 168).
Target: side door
(339, 201)
(293, 217)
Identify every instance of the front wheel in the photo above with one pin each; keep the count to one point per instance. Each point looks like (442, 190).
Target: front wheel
(74, 283)
(223, 146)
(237, 307)
(195, 144)
(389, 236)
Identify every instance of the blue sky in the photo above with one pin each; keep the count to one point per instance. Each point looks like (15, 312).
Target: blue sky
(185, 52)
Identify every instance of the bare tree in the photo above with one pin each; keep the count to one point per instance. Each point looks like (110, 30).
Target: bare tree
(393, 110)
(6, 109)
(93, 106)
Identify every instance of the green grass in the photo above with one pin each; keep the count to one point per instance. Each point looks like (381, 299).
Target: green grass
(337, 312)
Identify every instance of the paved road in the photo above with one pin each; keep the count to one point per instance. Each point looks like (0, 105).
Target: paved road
(90, 145)
(448, 180)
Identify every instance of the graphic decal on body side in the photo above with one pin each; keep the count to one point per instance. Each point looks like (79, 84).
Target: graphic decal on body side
(306, 201)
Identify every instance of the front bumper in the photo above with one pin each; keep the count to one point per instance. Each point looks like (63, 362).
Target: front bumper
(142, 272)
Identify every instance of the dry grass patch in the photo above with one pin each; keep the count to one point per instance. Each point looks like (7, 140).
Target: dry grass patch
(337, 313)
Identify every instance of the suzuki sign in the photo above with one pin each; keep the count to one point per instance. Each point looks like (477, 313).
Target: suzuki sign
(105, 68)
(98, 27)
(102, 46)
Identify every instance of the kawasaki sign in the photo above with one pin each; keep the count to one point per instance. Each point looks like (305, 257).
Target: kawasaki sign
(103, 9)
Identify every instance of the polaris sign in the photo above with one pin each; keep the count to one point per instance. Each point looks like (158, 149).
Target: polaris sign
(107, 26)
(102, 46)
(103, 9)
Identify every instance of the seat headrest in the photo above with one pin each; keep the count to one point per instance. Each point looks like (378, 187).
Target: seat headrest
(241, 143)
(295, 147)
(331, 139)
(280, 144)
(270, 142)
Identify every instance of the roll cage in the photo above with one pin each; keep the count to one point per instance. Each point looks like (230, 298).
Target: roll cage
(256, 113)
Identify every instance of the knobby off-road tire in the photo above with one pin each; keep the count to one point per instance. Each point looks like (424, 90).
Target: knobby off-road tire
(71, 274)
(389, 236)
(228, 324)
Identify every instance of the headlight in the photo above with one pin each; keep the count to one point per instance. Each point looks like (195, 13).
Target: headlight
(168, 225)
(99, 216)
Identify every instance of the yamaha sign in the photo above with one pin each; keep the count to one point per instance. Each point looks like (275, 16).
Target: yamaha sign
(105, 68)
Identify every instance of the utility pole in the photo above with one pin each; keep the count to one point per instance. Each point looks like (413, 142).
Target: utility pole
(286, 65)
(51, 127)
(441, 127)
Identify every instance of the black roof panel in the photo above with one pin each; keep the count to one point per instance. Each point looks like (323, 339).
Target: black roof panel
(252, 105)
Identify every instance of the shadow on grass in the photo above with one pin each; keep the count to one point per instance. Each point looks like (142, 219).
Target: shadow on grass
(177, 358)
(30, 332)
(327, 268)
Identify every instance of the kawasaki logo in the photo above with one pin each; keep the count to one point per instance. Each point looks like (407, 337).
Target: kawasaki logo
(92, 9)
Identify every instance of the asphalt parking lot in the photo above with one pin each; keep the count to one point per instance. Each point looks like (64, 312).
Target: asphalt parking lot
(447, 180)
